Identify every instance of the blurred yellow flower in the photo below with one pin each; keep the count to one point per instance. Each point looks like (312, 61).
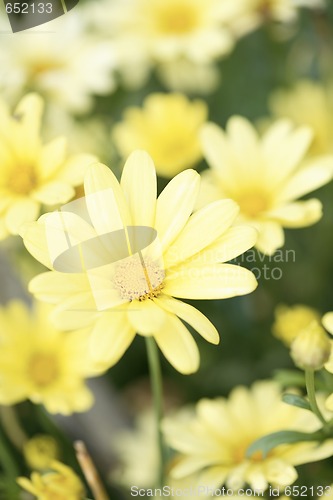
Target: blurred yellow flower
(290, 321)
(212, 443)
(311, 348)
(60, 484)
(40, 363)
(328, 324)
(66, 64)
(32, 173)
(40, 451)
(167, 127)
(264, 175)
(136, 254)
(150, 33)
(308, 103)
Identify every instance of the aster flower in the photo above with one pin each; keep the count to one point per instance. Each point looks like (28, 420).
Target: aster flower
(32, 173)
(40, 363)
(142, 255)
(66, 64)
(167, 126)
(308, 103)
(61, 483)
(211, 444)
(265, 176)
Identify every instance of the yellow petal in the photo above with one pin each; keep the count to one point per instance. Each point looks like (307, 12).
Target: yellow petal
(298, 214)
(178, 346)
(138, 182)
(219, 281)
(75, 312)
(110, 337)
(51, 158)
(270, 237)
(284, 148)
(53, 193)
(20, 212)
(328, 322)
(34, 239)
(29, 113)
(202, 229)
(234, 242)
(54, 287)
(146, 317)
(309, 178)
(192, 316)
(74, 168)
(105, 200)
(175, 205)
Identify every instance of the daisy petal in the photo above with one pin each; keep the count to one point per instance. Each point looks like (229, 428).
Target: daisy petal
(55, 287)
(74, 168)
(309, 178)
(298, 214)
(105, 200)
(111, 337)
(218, 281)
(138, 182)
(51, 158)
(54, 193)
(192, 316)
(146, 317)
(34, 239)
(234, 242)
(178, 345)
(20, 212)
(270, 237)
(211, 221)
(175, 205)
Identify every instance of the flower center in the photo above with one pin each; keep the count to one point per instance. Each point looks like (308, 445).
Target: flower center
(43, 368)
(252, 204)
(138, 279)
(177, 18)
(239, 454)
(22, 180)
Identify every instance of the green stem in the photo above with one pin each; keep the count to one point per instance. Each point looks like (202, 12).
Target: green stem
(310, 389)
(7, 459)
(156, 385)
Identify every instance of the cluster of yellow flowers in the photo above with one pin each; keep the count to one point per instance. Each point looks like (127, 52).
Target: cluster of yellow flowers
(122, 257)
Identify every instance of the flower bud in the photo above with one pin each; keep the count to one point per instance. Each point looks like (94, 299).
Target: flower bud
(311, 348)
(40, 451)
(290, 321)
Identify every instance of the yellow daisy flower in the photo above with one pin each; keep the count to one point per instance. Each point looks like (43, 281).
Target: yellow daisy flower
(264, 175)
(212, 443)
(308, 103)
(32, 173)
(167, 126)
(40, 363)
(150, 33)
(60, 484)
(290, 321)
(136, 254)
(54, 63)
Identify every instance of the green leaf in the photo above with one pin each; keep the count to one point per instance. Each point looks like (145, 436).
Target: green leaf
(266, 443)
(295, 400)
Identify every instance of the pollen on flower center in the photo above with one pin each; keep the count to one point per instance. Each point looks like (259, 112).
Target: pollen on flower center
(138, 279)
(43, 369)
(22, 179)
(240, 454)
(177, 19)
(252, 204)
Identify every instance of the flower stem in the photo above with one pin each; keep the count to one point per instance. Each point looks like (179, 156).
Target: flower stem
(156, 385)
(310, 389)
